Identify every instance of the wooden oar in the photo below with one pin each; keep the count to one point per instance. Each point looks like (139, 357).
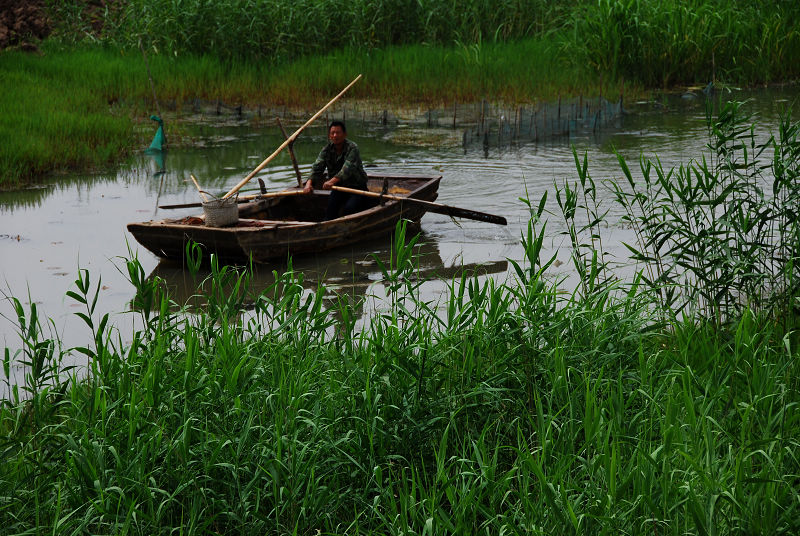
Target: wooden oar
(242, 199)
(291, 154)
(289, 140)
(438, 208)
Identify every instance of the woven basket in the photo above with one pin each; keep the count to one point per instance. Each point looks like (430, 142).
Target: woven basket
(221, 212)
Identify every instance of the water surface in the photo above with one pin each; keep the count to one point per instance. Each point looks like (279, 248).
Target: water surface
(78, 221)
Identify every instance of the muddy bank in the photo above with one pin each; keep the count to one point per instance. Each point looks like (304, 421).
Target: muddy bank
(23, 23)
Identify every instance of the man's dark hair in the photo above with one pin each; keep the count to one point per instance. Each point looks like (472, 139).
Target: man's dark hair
(337, 124)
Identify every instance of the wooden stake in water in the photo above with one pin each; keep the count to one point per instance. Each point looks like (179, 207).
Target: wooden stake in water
(499, 129)
(544, 120)
(530, 126)
(291, 154)
(242, 199)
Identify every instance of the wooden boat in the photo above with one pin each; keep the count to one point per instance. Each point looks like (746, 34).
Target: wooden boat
(280, 226)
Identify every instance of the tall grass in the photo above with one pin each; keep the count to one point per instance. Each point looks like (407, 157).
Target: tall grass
(719, 234)
(660, 44)
(274, 30)
(657, 44)
(508, 407)
(48, 119)
(521, 71)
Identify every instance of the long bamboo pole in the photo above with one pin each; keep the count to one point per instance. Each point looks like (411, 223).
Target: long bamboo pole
(242, 198)
(289, 140)
(199, 190)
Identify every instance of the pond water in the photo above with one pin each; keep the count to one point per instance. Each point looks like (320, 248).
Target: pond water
(78, 221)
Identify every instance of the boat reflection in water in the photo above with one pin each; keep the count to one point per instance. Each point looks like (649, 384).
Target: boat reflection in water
(353, 274)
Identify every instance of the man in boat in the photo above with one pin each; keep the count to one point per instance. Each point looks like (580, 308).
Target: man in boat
(342, 160)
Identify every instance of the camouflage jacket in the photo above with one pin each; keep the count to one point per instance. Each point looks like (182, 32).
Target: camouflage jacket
(347, 166)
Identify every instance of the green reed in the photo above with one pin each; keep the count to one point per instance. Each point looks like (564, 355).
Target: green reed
(520, 71)
(656, 44)
(661, 44)
(55, 115)
(719, 234)
(269, 29)
(505, 407)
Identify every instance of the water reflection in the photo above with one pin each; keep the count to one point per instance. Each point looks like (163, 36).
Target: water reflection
(353, 272)
(159, 158)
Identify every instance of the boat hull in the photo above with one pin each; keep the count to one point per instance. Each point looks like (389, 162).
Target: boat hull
(269, 230)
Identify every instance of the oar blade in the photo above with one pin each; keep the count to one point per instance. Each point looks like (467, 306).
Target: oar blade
(457, 212)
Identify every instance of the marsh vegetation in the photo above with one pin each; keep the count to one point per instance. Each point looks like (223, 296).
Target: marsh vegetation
(84, 95)
(665, 403)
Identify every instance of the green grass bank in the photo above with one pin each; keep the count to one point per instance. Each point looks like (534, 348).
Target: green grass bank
(69, 109)
(666, 404)
(76, 105)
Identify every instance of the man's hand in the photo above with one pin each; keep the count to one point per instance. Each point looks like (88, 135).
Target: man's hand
(330, 183)
(308, 188)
